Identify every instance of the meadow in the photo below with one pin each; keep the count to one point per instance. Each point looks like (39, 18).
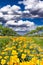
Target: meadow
(21, 50)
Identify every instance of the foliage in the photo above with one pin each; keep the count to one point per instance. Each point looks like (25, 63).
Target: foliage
(5, 31)
(35, 32)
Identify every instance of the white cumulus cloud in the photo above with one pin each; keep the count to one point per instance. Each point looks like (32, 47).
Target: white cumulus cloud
(1, 14)
(5, 8)
(21, 25)
(35, 7)
(9, 12)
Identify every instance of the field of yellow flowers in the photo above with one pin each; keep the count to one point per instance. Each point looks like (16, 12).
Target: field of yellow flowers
(20, 51)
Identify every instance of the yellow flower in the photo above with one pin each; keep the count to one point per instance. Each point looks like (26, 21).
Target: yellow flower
(31, 47)
(27, 63)
(3, 61)
(38, 61)
(8, 49)
(41, 62)
(14, 52)
(34, 59)
(13, 60)
(0, 57)
(13, 47)
(20, 42)
(6, 57)
(28, 51)
(10, 63)
(23, 63)
(21, 50)
(25, 51)
(23, 56)
(24, 46)
(3, 53)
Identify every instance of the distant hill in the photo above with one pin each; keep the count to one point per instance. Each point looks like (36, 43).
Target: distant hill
(5, 31)
(37, 32)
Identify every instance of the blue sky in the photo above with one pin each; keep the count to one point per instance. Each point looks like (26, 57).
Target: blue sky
(11, 2)
(26, 12)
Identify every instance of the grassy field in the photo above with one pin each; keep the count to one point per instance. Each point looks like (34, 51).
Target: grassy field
(38, 40)
(21, 50)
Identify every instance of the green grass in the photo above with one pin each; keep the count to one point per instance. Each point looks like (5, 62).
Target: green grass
(38, 40)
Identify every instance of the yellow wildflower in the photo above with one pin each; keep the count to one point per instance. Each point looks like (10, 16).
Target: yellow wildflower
(14, 52)
(23, 56)
(3, 61)
(6, 57)
(0, 57)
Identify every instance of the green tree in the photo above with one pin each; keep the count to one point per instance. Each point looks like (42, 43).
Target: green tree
(5, 31)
